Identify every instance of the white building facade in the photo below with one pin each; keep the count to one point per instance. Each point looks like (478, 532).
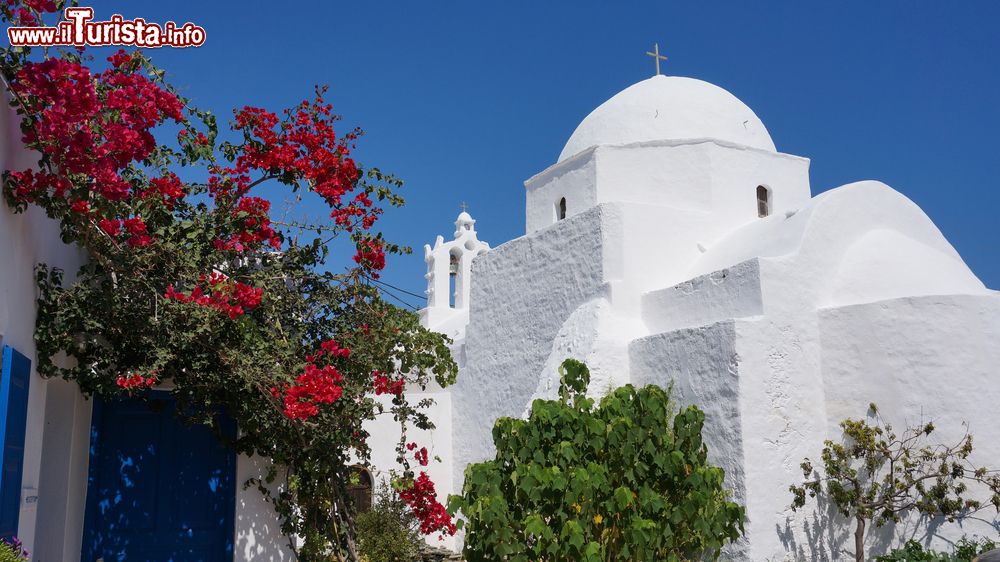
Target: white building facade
(673, 244)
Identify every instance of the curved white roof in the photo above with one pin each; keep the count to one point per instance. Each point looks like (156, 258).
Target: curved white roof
(861, 242)
(669, 108)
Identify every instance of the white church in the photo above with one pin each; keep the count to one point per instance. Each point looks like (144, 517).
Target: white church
(672, 243)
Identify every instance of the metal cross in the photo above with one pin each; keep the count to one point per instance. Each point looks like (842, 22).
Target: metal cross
(656, 56)
(464, 207)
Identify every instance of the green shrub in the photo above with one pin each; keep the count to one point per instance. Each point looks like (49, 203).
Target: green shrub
(625, 480)
(913, 551)
(12, 551)
(388, 532)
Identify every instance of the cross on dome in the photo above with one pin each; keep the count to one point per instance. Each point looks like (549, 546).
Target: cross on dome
(656, 57)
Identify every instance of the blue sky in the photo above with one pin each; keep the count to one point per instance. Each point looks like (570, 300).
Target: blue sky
(466, 100)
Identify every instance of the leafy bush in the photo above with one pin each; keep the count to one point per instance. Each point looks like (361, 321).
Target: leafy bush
(388, 532)
(12, 551)
(877, 477)
(913, 551)
(627, 480)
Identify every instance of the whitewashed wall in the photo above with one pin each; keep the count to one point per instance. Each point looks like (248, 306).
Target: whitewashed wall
(522, 293)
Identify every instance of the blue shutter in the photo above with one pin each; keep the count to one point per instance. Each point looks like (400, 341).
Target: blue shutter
(13, 416)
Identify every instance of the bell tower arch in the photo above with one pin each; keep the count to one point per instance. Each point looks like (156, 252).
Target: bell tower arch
(449, 268)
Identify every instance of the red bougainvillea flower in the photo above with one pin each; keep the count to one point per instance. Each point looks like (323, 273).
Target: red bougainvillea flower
(80, 207)
(29, 184)
(168, 188)
(370, 256)
(135, 380)
(420, 455)
(255, 223)
(37, 5)
(92, 126)
(421, 497)
(316, 385)
(121, 58)
(111, 227)
(230, 297)
(306, 148)
(383, 384)
(313, 387)
(138, 236)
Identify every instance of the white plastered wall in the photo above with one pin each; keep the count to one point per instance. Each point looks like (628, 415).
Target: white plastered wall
(707, 177)
(385, 433)
(522, 293)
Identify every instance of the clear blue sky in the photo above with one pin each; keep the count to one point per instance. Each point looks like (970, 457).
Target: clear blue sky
(465, 100)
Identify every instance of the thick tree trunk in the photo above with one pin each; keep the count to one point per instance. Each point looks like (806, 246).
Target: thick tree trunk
(859, 541)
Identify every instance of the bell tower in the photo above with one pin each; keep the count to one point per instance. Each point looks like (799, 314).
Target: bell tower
(449, 268)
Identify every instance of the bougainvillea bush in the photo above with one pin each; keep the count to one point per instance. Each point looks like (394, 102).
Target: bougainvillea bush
(192, 278)
(625, 479)
(13, 551)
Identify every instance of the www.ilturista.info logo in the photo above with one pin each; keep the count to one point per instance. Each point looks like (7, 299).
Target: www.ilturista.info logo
(77, 29)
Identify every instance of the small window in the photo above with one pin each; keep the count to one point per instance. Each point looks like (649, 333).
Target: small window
(454, 270)
(763, 201)
(561, 209)
(359, 489)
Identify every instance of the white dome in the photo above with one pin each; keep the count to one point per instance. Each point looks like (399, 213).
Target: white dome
(669, 108)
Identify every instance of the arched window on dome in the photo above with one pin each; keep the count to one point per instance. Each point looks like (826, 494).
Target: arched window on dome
(561, 209)
(359, 489)
(763, 201)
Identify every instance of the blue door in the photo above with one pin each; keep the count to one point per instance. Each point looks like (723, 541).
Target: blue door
(158, 490)
(14, 381)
